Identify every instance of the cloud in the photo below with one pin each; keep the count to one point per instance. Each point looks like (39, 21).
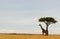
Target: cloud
(54, 31)
(36, 31)
(7, 31)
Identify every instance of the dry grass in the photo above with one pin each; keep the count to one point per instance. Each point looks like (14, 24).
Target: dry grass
(28, 36)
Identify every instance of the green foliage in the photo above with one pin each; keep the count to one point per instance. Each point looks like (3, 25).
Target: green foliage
(47, 20)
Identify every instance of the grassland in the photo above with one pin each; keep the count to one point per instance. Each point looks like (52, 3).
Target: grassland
(28, 36)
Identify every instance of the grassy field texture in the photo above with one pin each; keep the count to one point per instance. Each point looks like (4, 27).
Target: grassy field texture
(28, 36)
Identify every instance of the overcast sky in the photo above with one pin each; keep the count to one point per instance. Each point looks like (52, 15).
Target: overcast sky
(21, 16)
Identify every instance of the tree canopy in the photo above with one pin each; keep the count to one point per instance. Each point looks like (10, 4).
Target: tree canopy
(47, 20)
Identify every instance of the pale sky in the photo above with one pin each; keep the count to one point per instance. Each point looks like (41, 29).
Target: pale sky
(21, 16)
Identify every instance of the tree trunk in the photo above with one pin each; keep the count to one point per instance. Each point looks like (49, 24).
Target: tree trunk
(46, 30)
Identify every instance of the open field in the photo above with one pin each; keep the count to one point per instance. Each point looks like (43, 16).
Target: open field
(28, 36)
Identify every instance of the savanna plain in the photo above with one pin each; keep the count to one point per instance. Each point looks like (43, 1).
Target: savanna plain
(28, 36)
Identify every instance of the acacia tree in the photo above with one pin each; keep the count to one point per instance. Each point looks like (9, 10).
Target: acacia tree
(47, 21)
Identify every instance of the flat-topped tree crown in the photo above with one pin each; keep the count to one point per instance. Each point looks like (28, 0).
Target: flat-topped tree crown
(47, 20)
